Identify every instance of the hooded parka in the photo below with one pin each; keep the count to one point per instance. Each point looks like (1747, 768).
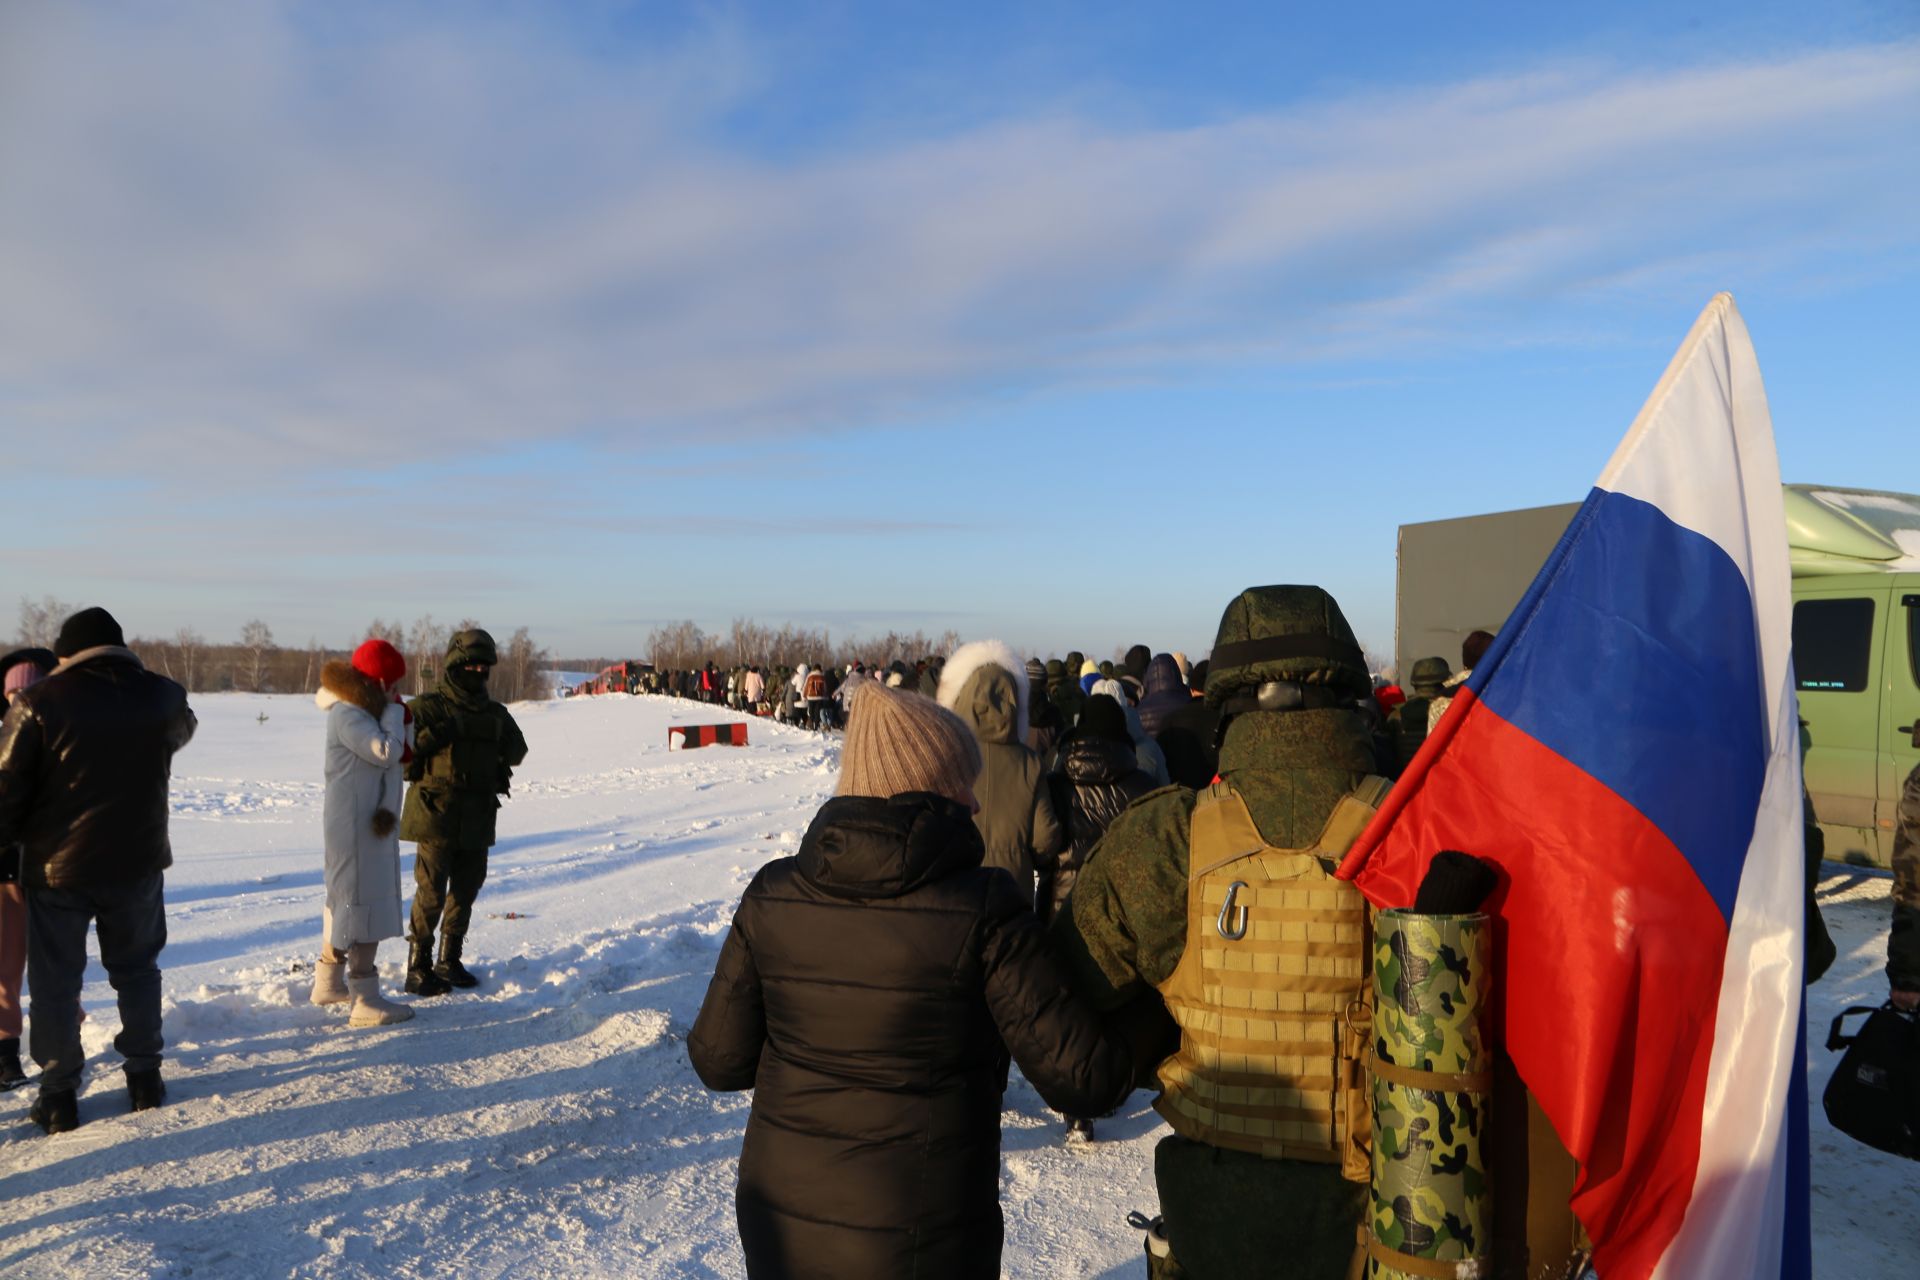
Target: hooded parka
(366, 739)
(986, 686)
(1166, 693)
(1153, 761)
(868, 993)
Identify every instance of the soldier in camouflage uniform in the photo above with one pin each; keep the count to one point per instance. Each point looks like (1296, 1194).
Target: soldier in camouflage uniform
(1232, 1213)
(1407, 723)
(1903, 944)
(466, 747)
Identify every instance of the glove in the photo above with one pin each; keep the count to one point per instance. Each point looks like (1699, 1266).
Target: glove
(1456, 884)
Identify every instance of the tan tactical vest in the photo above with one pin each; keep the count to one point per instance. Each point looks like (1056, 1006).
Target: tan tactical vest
(1273, 993)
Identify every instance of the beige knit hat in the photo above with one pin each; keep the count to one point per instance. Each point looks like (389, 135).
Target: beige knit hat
(899, 741)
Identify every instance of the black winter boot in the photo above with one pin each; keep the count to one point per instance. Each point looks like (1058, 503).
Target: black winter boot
(145, 1090)
(11, 1076)
(421, 979)
(55, 1112)
(450, 969)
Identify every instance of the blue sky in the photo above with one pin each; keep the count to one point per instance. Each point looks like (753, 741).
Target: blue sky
(1060, 323)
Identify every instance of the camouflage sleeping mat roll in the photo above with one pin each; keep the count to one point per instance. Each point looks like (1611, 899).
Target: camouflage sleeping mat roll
(1431, 1213)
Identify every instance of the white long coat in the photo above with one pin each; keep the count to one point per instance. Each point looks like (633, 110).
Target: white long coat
(363, 775)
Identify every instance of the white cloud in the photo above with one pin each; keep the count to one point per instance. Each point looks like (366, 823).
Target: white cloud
(224, 239)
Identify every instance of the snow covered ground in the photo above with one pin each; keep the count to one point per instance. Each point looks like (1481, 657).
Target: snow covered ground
(549, 1125)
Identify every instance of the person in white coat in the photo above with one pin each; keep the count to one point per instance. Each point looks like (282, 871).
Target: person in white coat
(367, 742)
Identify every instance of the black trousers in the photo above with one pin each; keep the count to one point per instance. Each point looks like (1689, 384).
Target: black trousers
(131, 920)
(446, 880)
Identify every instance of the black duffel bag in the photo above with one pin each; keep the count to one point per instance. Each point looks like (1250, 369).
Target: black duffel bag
(1874, 1096)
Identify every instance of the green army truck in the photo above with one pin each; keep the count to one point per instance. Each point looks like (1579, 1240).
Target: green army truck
(1856, 632)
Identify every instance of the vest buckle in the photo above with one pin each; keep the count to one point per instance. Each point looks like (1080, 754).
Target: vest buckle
(1238, 929)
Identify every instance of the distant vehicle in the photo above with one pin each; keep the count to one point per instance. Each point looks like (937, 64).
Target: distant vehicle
(1856, 632)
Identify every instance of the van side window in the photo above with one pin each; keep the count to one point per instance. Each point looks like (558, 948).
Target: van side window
(1832, 644)
(1913, 635)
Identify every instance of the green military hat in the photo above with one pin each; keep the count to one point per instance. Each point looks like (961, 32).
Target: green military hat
(1429, 674)
(470, 647)
(1295, 634)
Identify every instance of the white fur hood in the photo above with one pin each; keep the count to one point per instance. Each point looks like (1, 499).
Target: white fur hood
(968, 660)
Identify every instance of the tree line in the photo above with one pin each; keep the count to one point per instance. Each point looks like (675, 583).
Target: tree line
(685, 645)
(254, 662)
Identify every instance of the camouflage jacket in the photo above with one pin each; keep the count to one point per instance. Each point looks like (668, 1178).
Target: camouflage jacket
(1903, 944)
(1126, 923)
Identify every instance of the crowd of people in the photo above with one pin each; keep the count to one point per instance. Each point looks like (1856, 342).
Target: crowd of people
(1172, 828)
(86, 754)
(1117, 875)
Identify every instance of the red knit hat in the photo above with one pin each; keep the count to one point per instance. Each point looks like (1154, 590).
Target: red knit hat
(378, 660)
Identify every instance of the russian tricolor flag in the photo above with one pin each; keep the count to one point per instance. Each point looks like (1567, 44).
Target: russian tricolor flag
(1627, 754)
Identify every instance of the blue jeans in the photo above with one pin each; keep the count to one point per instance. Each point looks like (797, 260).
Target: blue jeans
(131, 922)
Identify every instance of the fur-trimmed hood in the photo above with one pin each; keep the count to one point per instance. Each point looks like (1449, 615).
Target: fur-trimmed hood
(340, 682)
(985, 709)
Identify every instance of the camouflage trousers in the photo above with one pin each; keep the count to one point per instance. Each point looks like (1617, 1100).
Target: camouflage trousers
(1231, 1215)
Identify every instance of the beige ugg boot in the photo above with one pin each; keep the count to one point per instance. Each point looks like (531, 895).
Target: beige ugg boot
(369, 1008)
(330, 983)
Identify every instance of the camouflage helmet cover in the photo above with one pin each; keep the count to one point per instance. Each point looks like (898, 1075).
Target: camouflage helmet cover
(1285, 633)
(1431, 672)
(472, 646)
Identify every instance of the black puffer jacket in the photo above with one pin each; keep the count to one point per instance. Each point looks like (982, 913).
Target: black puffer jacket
(84, 761)
(1095, 782)
(868, 993)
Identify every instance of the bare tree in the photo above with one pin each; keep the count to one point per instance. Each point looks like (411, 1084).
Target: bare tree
(256, 639)
(519, 675)
(188, 645)
(157, 653)
(40, 621)
(677, 646)
(315, 655)
(426, 647)
(394, 633)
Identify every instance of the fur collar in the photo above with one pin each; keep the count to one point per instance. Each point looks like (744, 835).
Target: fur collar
(339, 682)
(117, 652)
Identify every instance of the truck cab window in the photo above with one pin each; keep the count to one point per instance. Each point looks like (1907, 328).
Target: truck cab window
(1833, 644)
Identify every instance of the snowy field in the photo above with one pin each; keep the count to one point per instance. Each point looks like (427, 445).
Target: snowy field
(548, 1124)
